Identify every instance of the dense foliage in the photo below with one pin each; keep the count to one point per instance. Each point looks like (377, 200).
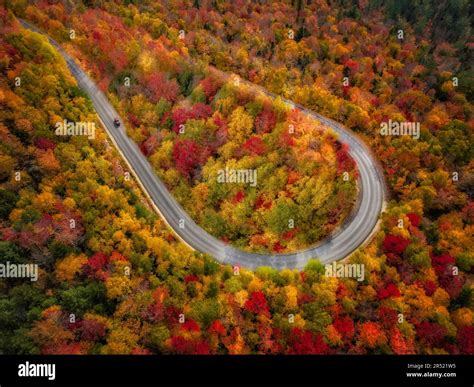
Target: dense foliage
(194, 123)
(119, 282)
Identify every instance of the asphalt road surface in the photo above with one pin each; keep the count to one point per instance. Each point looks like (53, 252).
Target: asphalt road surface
(356, 230)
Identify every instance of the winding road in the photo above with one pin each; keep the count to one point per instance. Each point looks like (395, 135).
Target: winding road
(352, 234)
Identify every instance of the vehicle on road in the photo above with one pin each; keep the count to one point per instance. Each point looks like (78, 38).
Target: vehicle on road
(116, 122)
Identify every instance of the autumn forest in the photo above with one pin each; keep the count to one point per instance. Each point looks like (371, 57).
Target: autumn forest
(203, 89)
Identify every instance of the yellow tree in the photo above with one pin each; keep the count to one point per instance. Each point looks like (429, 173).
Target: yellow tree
(240, 125)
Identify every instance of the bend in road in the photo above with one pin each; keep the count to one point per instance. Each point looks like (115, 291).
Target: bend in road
(337, 246)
